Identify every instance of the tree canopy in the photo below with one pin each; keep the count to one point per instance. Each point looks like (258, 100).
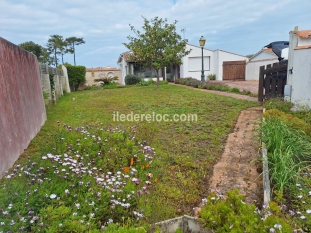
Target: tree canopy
(38, 50)
(158, 45)
(55, 47)
(72, 41)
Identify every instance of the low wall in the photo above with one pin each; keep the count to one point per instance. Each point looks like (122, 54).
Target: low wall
(54, 82)
(22, 106)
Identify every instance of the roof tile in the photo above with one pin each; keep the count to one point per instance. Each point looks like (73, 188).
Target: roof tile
(107, 68)
(304, 33)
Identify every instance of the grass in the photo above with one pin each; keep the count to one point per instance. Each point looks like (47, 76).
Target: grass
(182, 155)
(287, 136)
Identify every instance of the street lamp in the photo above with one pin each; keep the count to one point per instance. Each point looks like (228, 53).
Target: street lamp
(202, 43)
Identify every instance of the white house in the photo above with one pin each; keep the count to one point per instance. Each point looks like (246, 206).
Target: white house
(191, 64)
(128, 67)
(264, 57)
(299, 68)
(213, 61)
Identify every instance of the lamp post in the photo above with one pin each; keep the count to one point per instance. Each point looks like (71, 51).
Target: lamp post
(202, 43)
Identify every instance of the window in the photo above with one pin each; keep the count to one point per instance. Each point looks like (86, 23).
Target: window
(110, 75)
(92, 74)
(195, 63)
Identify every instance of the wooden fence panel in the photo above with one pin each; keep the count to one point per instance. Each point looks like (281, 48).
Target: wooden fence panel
(272, 80)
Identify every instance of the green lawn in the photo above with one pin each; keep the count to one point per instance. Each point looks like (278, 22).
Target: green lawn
(184, 151)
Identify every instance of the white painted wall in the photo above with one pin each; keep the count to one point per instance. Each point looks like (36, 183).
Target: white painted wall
(216, 59)
(300, 79)
(263, 56)
(252, 68)
(301, 85)
(123, 68)
(196, 52)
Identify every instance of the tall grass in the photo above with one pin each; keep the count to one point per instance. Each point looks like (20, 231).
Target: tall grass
(289, 152)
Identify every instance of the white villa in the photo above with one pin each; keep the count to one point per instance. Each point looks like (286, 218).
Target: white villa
(191, 64)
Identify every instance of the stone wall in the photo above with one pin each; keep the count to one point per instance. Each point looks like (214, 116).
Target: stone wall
(98, 73)
(22, 106)
(54, 82)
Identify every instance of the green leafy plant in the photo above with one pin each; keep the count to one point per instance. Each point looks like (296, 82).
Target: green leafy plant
(278, 103)
(132, 79)
(211, 76)
(289, 152)
(234, 215)
(76, 75)
(107, 80)
(157, 45)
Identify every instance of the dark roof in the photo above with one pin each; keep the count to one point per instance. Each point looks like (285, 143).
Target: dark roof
(277, 47)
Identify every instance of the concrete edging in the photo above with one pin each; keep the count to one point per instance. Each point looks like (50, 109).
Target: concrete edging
(185, 223)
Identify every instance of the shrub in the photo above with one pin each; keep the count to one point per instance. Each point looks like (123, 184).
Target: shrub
(76, 75)
(289, 119)
(211, 76)
(233, 215)
(106, 80)
(278, 103)
(189, 82)
(235, 90)
(132, 79)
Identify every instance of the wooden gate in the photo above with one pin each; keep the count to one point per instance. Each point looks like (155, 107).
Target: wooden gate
(272, 80)
(234, 70)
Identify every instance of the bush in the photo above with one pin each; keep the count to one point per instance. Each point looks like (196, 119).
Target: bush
(132, 79)
(235, 90)
(211, 76)
(76, 75)
(233, 215)
(189, 82)
(278, 103)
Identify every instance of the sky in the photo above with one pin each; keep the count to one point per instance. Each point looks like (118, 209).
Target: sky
(237, 26)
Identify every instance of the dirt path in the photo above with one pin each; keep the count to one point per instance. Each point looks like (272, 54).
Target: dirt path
(236, 169)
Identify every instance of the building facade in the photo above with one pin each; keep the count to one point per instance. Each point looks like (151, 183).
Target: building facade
(102, 72)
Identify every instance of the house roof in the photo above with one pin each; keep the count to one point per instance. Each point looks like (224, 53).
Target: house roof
(264, 50)
(107, 68)
(125, 55)
(304, 33)
(216, 50)
(268, 50)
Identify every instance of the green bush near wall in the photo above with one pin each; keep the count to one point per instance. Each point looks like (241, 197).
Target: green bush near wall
(76, 76)
(132, 79)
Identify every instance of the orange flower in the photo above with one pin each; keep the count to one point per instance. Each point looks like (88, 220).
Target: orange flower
(147, 165)
(155, 180)
(142, 167)
(132, 162)
(126, 169)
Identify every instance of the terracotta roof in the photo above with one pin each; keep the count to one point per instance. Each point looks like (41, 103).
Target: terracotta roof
(125, 55)
(304, 33)
(107, 68)
(268, 50)
(303, 47)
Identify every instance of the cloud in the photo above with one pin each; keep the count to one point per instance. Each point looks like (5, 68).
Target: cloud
(241, 26)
